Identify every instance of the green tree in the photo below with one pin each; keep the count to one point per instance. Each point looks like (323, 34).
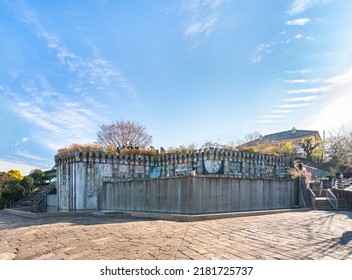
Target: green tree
(287, 149)
(4, 178)
(28, 183)
(1, 200)
(38, 177)
(15, 174)
(13, 191)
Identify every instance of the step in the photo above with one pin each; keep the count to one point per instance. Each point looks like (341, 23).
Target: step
(324, 204)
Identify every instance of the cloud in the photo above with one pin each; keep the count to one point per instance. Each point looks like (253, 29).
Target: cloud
(335, 110)
(98, 71)
(256, 59)
(325, 88)
(342, 79)
(299, 21)
(296, 81)
(291, 106)
(299, 36)
(58, 120)
(278, 111)
(299, 6)
(25, 169)
(274, 117)
(201, 17)
(302, 99)
(23, 140)
(303, 71)
(201, 27)
(28, 155)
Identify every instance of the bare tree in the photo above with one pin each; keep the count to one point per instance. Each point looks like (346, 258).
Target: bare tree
(255, 135)
(124, 134)
(339, 147)
(308, 146)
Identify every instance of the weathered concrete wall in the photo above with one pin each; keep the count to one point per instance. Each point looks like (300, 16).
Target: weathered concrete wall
(52, 200)
(195, 195)
(84, 177)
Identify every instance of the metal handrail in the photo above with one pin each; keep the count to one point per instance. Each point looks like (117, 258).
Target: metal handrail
(313, 197)
(332, 199)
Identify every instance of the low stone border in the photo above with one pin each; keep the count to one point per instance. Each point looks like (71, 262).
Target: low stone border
(210, 216)
(154, 215)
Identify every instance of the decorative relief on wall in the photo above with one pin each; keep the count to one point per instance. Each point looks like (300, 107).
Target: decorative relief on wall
(123, 169)
(139, 169)
(181, 168)
(64, 174)
(282, 173)
(213, 167)
(207, 161)
(65, 184)
(235, 168)
(106, 170)
(90, 180)
(155, 172)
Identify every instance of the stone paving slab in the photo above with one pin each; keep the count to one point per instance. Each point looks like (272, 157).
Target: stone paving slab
(289, 236)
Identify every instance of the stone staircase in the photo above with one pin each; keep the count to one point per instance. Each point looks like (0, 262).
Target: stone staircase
(33, 198)
(321, 202)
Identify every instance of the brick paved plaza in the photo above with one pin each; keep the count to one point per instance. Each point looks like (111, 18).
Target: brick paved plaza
(290, 236)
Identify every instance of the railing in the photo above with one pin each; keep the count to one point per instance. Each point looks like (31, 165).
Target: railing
(344, 183)
(332, 199)
(313, 197)
(35, 197)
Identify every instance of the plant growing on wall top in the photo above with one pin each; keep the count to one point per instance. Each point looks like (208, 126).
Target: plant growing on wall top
(84, 148)
(297, 171)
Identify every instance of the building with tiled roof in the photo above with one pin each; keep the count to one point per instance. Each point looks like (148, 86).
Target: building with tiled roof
(295, 136)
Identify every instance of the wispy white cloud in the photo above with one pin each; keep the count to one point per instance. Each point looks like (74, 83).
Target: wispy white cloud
(278, 111)
(200, 27)
(291, 106)
(256, 59)
(344, 78)
(22, 141)
(302, 99)
(324, 88)
(97, 71)
(277, 116)
(60, 118)
(296, 81)
(298, 6)
(299, 21)
(336, 106)
(28, 155)
(201, 17)
(6, 165)
(303, 71)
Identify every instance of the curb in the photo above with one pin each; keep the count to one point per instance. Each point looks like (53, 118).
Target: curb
(154, 215)
(211, 216)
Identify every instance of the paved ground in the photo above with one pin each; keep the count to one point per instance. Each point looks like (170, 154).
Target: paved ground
(293, 235)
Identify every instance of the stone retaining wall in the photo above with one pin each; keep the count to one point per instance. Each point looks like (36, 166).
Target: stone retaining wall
(85, 181)
(198, 195)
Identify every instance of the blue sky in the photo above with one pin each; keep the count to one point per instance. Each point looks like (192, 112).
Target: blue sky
(190, 71)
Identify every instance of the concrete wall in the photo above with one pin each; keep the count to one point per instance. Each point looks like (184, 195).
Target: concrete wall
(52, 200)
(196, 195)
